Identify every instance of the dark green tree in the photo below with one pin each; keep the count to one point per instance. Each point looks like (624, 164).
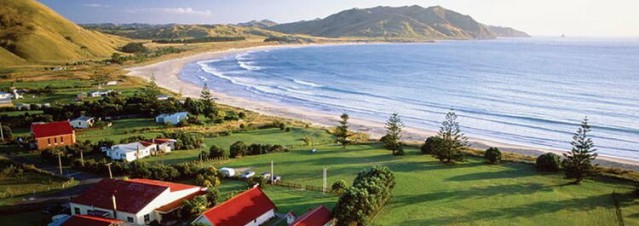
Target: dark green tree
(578, 163)
(430, 145)
(492, 155)
(339, 186)
(550, 162)
(453, 141)
(216, 152)
(238, 149)
(341, 131)
(392, 140)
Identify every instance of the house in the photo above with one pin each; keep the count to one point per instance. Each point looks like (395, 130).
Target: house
(86, 220)
(52, 134)
(135, 201)
(320, 216)
(82, 122)
(139, 149)
(251, 207)
(5, 98)
(173, 119)
(112, 83)
(99, 93)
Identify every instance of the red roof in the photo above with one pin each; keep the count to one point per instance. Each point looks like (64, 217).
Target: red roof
(173, 186)
(241, 209)
(316, 217)
(85, 220)
(130, 197)
(51, 129)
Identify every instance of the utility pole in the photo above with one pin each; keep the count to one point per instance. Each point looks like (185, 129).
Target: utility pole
(325, 183)
(81, 157)
(272, 175)
(109, 166)
(1, 133)
(60, 162)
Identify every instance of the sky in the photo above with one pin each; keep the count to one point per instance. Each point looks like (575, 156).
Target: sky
(576, 18)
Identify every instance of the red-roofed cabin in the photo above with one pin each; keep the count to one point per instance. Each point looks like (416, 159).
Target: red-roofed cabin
(85, 220)
(251, 207)
(137, 201)
(320, 216)
(52, 134)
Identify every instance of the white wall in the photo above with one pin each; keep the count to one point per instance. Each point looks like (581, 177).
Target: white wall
(258, 221)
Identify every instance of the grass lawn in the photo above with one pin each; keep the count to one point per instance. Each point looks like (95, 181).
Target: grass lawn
(119, 130)
(469, 193)
(292, 139)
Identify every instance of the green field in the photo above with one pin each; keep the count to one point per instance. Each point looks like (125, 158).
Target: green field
(120, 129)
(469, 193)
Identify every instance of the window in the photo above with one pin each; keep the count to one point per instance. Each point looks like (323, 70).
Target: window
(49, 140)
(61, 139)
(147, 218)
(55, 140)
(76, 210)
(129, 219)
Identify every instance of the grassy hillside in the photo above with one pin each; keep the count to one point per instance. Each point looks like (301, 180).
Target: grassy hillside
(35, 33)
(175, 31)
(393, 22)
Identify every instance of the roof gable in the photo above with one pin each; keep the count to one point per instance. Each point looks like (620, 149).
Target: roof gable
(131, 197)
(241, 209)
(316, 217)
(85, 220)
(51, 129)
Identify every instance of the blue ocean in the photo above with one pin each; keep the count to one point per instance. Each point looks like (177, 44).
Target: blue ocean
(531, 92)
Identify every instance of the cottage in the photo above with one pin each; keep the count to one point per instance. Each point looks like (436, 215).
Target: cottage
(112, 83)
(53, 134)
(82, 122)
(135, 201)
(173, 119)
(251, 207)
(320, 216)
(85, 220)
(140, 149)
(5, 98)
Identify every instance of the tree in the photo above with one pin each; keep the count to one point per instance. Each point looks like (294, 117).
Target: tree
(216, 152)
(430, 144)
(453, 141)
(206, 93)
(493, 155)
(392, 140)
(196, 206)
(134, 47)
(212, 196)
(208, 105)
(548, 162)
(339, 186)
(341, 131)
(6, 132)
(238, 149)
(578, 162)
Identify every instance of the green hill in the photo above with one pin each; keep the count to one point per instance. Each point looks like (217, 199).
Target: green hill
(393, 22)
(179, 31)
(31, 32)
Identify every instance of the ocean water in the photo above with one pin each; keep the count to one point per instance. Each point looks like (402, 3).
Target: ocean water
(530, 92)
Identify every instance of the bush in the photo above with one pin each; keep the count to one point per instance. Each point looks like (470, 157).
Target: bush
(238, 149)
(256, 180)
(218, 153)
(493, 155)
(430, 144)
(548, 162)
(338, 187)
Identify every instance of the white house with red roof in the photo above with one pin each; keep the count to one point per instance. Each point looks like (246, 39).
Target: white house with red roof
(137, 201)
(251, 207)
(139, 149)
(320, 216)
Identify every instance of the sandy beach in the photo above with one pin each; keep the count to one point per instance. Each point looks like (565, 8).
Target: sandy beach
(166, 74)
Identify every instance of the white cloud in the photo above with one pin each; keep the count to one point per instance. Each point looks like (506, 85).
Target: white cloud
(178, 11)
(96, 5)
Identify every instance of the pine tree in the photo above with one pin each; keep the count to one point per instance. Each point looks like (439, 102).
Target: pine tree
(209, 108)
(341, 131)
(392, 140)
(453, 141)
(206, 93)
(578, 162)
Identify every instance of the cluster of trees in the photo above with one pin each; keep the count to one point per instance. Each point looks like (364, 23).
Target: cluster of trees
(239, 149)
(140, 169)
(68, 153)
(8, 169)
(134, 47)
(196, 206)
(287, 39)
(210, 177)
(200, 40)
(117, 58)
(23, 120)
(185, 141)
(370, 191)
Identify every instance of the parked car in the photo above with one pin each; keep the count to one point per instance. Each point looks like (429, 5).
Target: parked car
(228, 172)
(247, 174)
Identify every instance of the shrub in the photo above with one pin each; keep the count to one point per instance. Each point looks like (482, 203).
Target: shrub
(218, 153)
(548, 162)
(429, 145)
(338, 187)
(238, 149)
(493, 155)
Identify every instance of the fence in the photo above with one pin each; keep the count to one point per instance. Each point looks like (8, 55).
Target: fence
(302, 187)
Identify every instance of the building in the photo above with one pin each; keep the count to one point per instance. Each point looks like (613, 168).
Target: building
(163, 97)
(52, 134)
(173, 119)
(5, 98)
(139, 149)
(99, 93)
(251, 207)
(86, 220)
(112, 83)
(136, 201)
(82, 122)
(320, 216)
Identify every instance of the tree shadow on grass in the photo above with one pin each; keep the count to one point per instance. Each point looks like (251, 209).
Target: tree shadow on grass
(493, 175)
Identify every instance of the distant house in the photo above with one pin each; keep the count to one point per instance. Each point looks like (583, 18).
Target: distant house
(135, 201)
(173, 119)
(163, 97)
(99, 93)
(251, 207)
(5, 98)
(52, 134)
(112, 83)
(82, 122)
(320, 216)
(139, 149)
(85, 220)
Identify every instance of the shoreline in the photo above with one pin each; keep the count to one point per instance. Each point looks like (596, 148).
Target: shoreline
(167, 72)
